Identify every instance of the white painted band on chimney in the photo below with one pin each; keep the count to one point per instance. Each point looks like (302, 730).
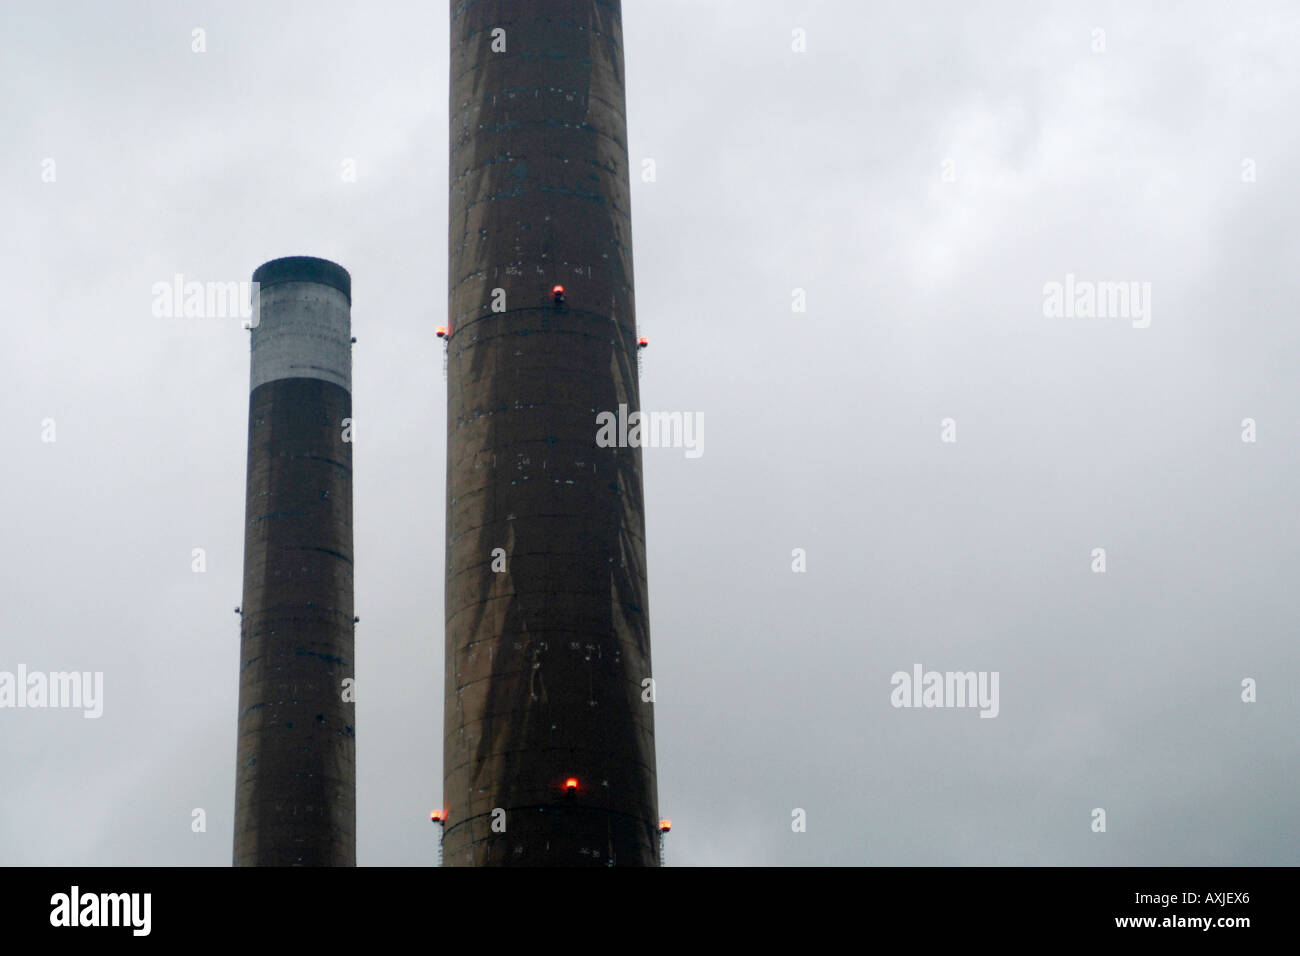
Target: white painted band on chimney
(301, 330)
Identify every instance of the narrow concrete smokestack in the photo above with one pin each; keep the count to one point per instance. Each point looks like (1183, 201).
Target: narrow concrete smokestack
(548, 748)
(295, 790)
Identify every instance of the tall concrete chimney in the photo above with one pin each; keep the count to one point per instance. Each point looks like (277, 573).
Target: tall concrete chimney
(295, 792)
(549, 732)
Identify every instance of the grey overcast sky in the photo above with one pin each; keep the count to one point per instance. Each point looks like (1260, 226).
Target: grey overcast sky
(922, 172)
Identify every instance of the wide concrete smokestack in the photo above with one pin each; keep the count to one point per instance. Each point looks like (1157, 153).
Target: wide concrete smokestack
(295, 793)
(547, 623)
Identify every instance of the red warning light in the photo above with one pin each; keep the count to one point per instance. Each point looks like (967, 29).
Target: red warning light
(435, 816)
(558, 290)
(571, 784)
(642, 342)
(665, 826)
(442, 331)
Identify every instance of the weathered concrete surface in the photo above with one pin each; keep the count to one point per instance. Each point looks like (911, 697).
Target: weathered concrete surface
(295, 797)
(545, 660)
